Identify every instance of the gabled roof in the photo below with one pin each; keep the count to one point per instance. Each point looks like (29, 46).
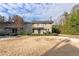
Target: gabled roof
(42, 22)
(27, 22)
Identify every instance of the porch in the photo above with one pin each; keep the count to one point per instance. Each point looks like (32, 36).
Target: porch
(39, 30)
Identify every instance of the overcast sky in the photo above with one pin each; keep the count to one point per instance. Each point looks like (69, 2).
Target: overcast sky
(39, 11)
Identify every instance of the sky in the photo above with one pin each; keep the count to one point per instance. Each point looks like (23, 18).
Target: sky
(35, 11)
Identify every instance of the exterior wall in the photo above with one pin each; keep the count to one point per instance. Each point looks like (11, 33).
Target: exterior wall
(8, 30)
(28, 28)
(37, 25)
(2, 30)
(35, 32)
(41, 31)
(48, 27)
(5, 31)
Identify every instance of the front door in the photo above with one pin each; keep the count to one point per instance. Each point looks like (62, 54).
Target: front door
(39, 31)
(14, 30)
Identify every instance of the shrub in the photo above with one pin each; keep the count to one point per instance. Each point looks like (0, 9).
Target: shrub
(56, 30)
(24, 33)
(48, 33)
(55, 34)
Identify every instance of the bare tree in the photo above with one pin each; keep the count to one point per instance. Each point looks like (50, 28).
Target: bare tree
(18, 21)
(2, 19)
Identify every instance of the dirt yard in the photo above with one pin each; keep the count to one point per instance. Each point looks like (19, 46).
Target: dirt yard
(39, 46)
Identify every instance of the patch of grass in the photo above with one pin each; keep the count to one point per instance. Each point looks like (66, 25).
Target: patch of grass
(24, 33)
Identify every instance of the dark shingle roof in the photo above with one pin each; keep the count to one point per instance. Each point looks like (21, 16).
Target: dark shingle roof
(39, 28)
(27, 22)
(42, 22)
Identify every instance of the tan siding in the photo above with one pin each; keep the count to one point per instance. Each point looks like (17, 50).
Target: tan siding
(48, 27)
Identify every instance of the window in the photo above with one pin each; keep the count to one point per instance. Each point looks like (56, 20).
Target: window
(44, 24)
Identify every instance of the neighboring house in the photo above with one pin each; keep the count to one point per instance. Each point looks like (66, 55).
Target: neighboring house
(34, 27)
(10, 28)
(41, 27)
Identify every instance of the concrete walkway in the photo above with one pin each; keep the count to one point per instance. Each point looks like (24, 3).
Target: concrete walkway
(71, 36)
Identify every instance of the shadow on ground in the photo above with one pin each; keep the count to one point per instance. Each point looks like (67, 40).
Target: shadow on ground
(66, 50)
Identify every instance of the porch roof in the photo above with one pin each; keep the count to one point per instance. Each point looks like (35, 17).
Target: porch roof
(12, 27)
(41, 28)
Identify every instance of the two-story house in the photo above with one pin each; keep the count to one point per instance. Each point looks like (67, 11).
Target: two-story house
(41, 27)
